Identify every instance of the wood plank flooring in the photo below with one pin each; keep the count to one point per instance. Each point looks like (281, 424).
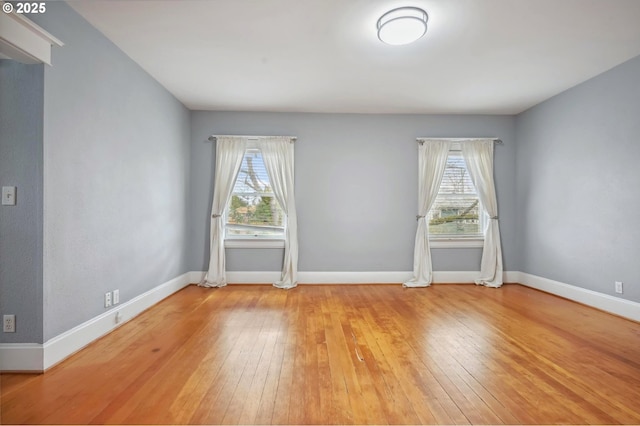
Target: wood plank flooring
(346, 354)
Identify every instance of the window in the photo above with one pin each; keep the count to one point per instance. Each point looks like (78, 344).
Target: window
(456, 212)
(254, 211)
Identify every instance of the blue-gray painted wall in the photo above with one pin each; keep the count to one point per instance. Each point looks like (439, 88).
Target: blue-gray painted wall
(116, 175)
(356, 180)
(21, 108)
(578, 184)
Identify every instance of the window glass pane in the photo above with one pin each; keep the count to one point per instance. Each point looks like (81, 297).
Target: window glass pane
(254, 211)
(456, 210)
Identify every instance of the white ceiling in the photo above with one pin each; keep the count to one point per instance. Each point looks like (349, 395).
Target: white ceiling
(478, 56)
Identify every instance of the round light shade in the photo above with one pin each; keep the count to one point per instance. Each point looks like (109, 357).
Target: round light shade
(403, 25)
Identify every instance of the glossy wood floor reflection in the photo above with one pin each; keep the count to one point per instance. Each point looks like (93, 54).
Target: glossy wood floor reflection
(331, 354)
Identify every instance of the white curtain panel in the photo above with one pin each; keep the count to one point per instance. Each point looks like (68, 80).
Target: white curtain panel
(229, 154)
(478, 155)
(277, 154)
(432, 160)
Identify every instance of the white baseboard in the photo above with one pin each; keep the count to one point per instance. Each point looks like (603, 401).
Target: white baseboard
(511, 277)
(37, 357)
(348, 277)
(376, 277)
(21, 357)
(196, 277)
(615, 305)
(468, 277)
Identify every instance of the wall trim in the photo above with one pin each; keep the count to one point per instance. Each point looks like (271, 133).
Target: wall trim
(38, 358)
(21, 357)
(24, 41)
(614, 305)
(349, 277)
(196, 277)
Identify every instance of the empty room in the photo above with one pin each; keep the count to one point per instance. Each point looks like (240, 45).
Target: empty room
(320, 212)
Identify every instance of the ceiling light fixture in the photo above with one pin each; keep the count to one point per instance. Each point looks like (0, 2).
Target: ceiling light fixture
(403, 25)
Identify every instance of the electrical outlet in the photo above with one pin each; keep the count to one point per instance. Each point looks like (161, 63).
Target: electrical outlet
(107, 299)
(9, 323)
(619, 287)
(116, 296)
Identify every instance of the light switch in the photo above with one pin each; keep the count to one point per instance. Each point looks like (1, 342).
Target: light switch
(8, 195)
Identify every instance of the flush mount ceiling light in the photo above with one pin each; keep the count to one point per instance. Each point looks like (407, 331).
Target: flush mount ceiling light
(403, 25)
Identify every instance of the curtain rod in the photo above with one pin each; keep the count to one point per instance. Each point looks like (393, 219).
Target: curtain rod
(213, 138)
(495, 140)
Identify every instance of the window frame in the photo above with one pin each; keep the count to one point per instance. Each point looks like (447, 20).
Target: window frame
(252, 241)
(460, 241)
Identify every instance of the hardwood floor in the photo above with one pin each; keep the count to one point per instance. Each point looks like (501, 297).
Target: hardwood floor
(345, 354)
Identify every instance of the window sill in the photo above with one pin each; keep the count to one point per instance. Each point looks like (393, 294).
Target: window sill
(456, 242)
(257, 243)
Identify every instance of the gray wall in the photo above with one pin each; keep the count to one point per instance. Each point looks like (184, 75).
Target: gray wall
(116, 180)
(356, 187)
(21, 104)
(579, 184)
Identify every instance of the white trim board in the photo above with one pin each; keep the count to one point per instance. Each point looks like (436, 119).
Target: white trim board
(350, 277)
(614, 305)
(37, 358)
(21, 357)
(22, 40)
